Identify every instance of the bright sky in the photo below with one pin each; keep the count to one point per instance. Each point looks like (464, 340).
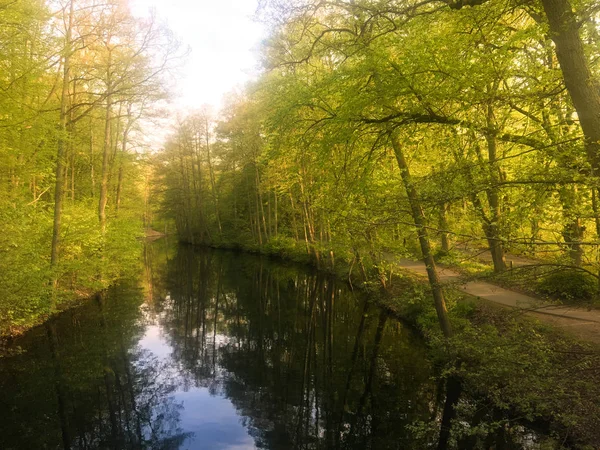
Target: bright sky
(223, 40)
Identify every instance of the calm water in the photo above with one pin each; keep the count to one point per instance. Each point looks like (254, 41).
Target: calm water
(217, 350)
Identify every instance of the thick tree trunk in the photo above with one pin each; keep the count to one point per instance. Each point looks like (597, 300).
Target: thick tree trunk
(583, 88)
(573, 230)
(420, 223)
(573, 235)
(453, 392)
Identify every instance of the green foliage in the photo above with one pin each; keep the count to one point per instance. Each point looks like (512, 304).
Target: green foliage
(570, 286)
(518, 366)
(25, 290)
(90, 261)
(65, 149)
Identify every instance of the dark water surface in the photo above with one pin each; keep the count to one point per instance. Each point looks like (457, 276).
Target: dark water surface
(217, 350)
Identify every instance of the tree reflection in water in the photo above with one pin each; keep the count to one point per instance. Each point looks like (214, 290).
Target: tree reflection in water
(306, 362)
(218, 350)
(83, 383)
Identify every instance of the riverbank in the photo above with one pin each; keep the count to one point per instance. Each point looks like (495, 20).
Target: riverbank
(75, 280)
(515, 373)
(582, 323)
(505, 356)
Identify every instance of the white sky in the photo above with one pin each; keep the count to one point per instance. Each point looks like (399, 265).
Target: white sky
(223, 40)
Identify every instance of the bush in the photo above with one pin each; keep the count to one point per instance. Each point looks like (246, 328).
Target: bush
(570, 286)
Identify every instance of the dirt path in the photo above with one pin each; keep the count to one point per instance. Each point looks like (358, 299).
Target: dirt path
(483, 255)
(583, 323)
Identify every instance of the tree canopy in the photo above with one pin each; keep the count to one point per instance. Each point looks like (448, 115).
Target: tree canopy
(407, 127)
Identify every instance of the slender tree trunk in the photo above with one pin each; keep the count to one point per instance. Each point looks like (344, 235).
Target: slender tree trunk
(212, 179)
(257, 200)
(59, 385)
(492, 229)
(92, 173)
(200, 200)
(119, 188)
(60, 155)
(185, 192)
(269, 214)
(106, 148)
(276, 212)
(196, 179)
(72, 181)
(444, 228)
(420, 223)
(294, 222)
(596, 210)
(121, 159)
(260, 199)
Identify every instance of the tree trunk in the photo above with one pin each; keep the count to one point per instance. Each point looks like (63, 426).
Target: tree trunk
(259, 199)
(59, 385)
(492, 229)
(123, 150)
(582, 86)
(106, 148)
(420, 223)
(92, 174)
(60, 155)
(294, 224)
(276, 212)
(213, 185)
(573, 230)
(119, 188)
(596, 211)
(444, 228)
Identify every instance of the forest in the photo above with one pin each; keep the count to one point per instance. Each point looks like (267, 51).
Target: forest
(77, 80)
(464, 134)
(376, 129)
(386, 128)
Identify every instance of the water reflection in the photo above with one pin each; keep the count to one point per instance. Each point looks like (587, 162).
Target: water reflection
(305, 362)
(215, 350)
(83, 383)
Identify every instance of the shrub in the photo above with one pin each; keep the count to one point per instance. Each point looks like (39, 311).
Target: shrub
(570, 286)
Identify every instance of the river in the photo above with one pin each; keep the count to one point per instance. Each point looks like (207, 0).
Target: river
(217, 350)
